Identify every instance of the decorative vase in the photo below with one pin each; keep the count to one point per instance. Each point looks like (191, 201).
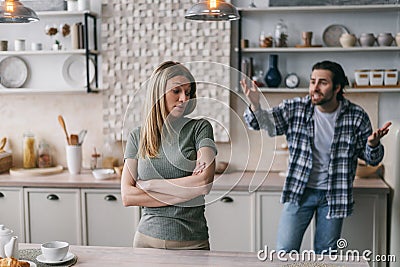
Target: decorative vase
(273, 77)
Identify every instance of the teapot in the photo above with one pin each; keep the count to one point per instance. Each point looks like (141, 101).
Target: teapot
(8, 243)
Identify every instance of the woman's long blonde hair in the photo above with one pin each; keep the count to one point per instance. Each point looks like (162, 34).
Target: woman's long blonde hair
(155, 110)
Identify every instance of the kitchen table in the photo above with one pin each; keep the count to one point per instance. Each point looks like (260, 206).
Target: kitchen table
(97, 256)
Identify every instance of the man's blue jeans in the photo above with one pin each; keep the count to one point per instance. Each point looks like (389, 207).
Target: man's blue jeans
(295, 219)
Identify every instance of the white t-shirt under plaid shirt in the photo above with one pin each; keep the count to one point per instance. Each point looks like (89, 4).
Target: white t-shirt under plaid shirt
(294, 118)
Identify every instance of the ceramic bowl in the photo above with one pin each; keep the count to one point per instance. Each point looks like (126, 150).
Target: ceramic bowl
(54, 250)
(103, 173)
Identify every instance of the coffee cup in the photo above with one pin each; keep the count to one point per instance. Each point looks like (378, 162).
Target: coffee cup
(54, 250)
(19, 45)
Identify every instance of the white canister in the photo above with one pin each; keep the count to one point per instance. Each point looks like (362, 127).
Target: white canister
(36, 46)
(376, 77)
(83, 5)
(391, 77)
(362, 77)
(19, 45)
(72, 5)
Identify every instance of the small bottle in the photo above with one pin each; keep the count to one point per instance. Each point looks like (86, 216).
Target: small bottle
(44, 159)
(29, 151)
(94, 160)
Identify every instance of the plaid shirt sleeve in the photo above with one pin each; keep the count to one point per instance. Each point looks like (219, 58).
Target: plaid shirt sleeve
(260, 119)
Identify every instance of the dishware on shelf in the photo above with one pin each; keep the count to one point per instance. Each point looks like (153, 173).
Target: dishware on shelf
(385, 39)
(3, 45)
(74, 71)
(83, 5)
(397, 38)
(72, 5)
(36, 46)
(273, 77)
(391, 77)
(332, 33)
(307, 38)
(13, 72)
(74, 158)
(362, 77)
(367, 39)
(19, 45)
(347, 40)
(54, 251)
(376, 77)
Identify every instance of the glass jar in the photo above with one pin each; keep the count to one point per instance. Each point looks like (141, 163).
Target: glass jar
(44, 159)
(29, 151)
(281, 34)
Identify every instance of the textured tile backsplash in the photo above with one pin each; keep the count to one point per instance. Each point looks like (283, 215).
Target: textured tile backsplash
(136, 36)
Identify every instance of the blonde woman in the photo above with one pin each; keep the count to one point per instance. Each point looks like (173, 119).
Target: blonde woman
(169, 164)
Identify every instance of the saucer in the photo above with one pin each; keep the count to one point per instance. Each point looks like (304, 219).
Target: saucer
(42, 259)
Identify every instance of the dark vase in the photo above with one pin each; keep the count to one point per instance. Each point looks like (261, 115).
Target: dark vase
(273, 77)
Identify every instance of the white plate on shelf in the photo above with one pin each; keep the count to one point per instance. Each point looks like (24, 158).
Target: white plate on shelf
(42, 259)
(74, 71)
(13, 72)
(332, 33)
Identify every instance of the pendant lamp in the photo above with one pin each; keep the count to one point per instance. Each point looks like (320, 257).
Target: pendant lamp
(12, 11)
(212, 10)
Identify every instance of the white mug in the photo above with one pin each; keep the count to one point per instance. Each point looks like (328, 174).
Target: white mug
(19, 45)
(74, 158)
(36, 46)
(83, 5)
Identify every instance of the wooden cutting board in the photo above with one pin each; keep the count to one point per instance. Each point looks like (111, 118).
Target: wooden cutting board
(35, 171)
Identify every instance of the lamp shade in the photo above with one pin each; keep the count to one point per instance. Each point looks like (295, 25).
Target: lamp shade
(12, 11)
(212, 10)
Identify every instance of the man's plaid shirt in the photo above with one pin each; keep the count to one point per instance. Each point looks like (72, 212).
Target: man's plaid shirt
(294, 118)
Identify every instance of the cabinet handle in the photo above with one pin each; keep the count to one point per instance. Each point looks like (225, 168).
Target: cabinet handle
(52, 197)
(110, 198)
(1, 194)
(227, 199)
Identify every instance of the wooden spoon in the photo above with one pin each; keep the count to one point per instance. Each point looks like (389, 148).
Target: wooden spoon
(74, 139)
(62, 123)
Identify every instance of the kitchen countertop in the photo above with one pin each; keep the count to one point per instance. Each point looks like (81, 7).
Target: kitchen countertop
(238, 181)
(125, 256)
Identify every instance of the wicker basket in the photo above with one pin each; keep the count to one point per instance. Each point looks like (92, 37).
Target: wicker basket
(5, 157)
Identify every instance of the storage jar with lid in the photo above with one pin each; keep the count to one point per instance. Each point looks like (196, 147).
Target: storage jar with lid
(44, 159)
(281, 34)
(29, 150)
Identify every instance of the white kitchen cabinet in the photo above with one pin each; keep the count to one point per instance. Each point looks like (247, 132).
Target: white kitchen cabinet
(12, 210)
(357, 19)
(366, 228)
(106, 222)
(268, 211)
(230, 219)
(53, 214)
